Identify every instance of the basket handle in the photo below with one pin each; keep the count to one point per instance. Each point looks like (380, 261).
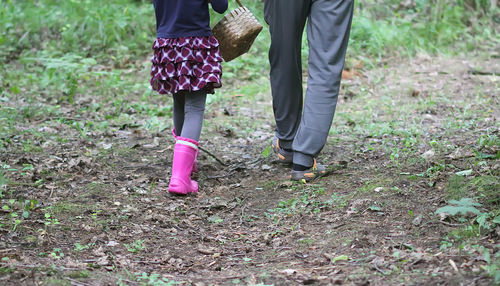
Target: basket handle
(239, 3)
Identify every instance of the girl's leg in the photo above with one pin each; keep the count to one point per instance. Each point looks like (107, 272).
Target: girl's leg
(186, 146)
(179, 102)
(194, 109)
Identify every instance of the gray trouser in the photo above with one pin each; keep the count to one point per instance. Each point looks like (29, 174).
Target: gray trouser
(189, 108)
(328, 26)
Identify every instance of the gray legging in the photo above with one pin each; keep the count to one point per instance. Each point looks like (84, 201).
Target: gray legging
(188, 113)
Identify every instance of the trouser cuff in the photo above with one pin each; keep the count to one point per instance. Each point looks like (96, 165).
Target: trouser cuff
(302, 159)
(286, 144)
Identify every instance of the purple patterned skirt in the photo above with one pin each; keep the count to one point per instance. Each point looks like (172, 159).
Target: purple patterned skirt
(191, 64)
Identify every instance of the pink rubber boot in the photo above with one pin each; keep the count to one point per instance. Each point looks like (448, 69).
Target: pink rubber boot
(184, 157)
(195, 164)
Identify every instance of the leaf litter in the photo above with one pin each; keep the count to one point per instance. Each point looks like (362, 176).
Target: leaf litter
(366, 223)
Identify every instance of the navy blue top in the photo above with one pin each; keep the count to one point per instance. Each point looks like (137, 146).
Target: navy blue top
(185, 18)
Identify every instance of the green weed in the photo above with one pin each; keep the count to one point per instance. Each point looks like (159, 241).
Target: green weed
(466, 209)
(135, 246)
(152, 279)
(79, 247)
(49, 220)
(483, 188)
(463, 207)
(434, 26)
(17, 211)
(99, 27)
(57, 253)
(79, 274)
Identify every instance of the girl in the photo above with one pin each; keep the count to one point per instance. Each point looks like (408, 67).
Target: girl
(186, 64)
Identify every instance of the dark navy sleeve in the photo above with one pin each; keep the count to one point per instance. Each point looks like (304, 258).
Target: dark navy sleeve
(220, 6)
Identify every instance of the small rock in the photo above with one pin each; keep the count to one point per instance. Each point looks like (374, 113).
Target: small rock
(429, 155)
(461, 153)
(442, 216)
(415, 93)
(99, 252)
(107, 146)
(288, 272)
(266, 167)
(103, 261)
(112, 243)
(417, 221)
(429, 117)
(378, 189)
(207, 250)
(286, 184)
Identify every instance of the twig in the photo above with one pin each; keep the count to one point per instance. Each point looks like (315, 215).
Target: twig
(479, 72)
(213, 156)
(56, 118)
(242, 214)
(429, 72)
(337, 225)
(147, 262)
(76, 282)
(256, 161)
(131, 282)
(219, 278)
(453, 265)
(450, 224)
(220, 176)
(378, 269)
(39, 266)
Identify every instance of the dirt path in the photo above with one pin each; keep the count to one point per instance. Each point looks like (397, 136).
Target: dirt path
(98, 212)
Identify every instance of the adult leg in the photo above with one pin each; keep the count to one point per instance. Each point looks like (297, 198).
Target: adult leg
(178, 112)
(194, 109)
(286, 19)
(328, 30)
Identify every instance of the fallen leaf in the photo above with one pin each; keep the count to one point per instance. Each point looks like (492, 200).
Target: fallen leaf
(429, 155)
(288, 271)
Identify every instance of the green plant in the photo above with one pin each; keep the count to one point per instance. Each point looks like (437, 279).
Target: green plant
(79, 247)
(135, 246)
(339, 258)
(49, 220)
(3, 182)
(18, 211)
(100, 27)
(435, 26)
(433, 172)
(57, 253)
(79, 274)
(153, 279)
(487, 143)
(463, 207)
(486, 221)
(492, 259)
(266, 152)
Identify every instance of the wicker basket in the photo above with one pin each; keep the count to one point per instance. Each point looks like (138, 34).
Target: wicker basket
(236, 32)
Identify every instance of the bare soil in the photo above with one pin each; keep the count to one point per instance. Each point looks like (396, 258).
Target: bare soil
(371, 221)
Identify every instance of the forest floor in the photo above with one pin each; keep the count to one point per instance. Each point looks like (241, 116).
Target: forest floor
(85, 206)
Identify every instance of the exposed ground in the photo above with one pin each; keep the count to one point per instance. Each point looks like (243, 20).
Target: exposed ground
(406, 140)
